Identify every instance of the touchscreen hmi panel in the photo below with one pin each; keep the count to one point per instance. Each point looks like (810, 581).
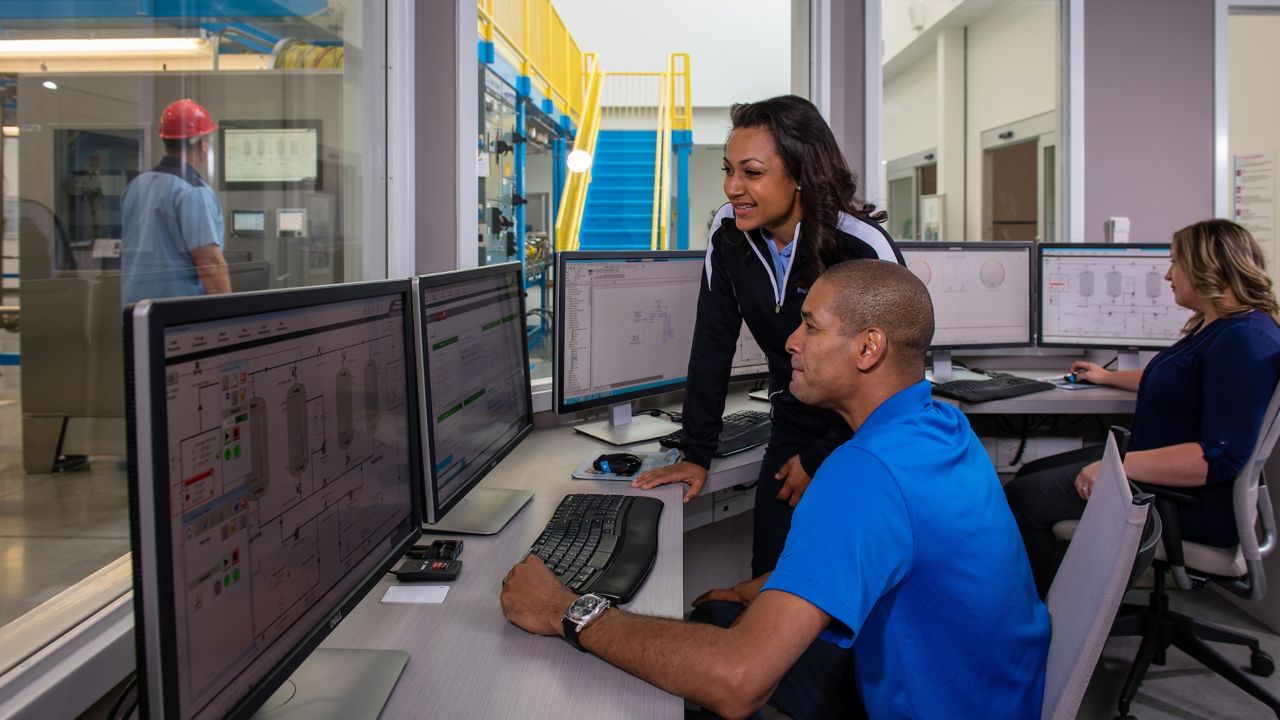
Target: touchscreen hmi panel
(625, 323)
(1106, 295)
(476, 367)
(981, 291)
(287, 155)
(276, 480)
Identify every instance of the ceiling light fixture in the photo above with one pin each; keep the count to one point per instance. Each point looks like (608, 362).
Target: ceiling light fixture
(104, 46)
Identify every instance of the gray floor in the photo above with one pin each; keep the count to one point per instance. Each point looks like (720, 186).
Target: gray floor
(54, 529)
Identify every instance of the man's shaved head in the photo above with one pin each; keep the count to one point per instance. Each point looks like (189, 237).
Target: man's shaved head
(876, 293)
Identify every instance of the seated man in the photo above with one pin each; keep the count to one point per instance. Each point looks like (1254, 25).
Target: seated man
(917, 563)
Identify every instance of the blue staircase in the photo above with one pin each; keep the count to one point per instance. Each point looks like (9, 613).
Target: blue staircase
(619, 210)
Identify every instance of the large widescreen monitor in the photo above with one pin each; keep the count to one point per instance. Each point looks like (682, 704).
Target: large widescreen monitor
(274, 471)
(624, 329)
(270, 155)
(981, 293)
(1107, 296)
(473, 365)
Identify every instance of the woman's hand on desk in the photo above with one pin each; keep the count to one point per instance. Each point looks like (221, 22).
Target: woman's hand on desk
(1089, 372)
(691, 474)
(794, 481)
(533, 599)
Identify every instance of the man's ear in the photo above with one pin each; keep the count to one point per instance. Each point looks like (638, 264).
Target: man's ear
(871, 348)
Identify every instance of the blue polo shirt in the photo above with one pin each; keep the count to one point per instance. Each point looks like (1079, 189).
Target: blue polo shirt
(167, 212)
(905, 538)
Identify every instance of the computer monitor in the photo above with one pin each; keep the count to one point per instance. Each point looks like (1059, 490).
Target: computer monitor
(291, 221)
(624, 328)
(274, 476)
(981, 293)
(270, 154)
(249, 222)
(749, 360)
(473, 367)
(1108, 296)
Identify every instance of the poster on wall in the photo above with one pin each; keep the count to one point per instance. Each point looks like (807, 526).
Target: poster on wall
(1253, 200)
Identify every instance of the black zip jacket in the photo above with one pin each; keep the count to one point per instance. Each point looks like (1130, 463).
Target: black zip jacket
(738, 284)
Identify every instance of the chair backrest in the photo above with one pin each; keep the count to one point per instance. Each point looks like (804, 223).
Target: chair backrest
(1252, 502)
(1090, 584)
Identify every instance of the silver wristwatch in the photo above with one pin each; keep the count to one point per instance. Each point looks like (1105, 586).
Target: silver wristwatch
(580, 614)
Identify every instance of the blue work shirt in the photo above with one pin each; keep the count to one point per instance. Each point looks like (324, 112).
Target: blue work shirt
(1211, 387)
(781, 258)
(167, 212)
(905, 539)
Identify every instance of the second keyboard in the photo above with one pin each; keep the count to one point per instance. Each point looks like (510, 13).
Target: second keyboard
(742, 430)
(998, 387)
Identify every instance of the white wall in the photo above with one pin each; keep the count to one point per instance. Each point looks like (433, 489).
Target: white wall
(706, 190)
(895, 21)
(911, 109)
(1254, 82)
(1013, 74)
(739, 50)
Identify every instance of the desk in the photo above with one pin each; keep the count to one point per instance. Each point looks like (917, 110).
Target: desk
(467, 661)
(1059, 401)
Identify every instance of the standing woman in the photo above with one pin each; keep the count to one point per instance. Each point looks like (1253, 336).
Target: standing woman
(791, 214)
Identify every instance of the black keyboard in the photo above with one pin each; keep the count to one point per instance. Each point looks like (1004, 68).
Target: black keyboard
(602, 544)
(742, 430)
(998, 387)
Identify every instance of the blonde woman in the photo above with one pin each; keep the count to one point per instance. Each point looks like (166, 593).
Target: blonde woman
(1200, 402)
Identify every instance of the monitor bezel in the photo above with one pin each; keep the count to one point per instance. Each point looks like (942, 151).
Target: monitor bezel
(751, 376)
(989, 245)
(278, 124)
(561, 407)
(1040, 341)
(432, 509)
(150, 545)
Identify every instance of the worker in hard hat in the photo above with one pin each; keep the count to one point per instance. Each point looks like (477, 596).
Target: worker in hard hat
(172, 219)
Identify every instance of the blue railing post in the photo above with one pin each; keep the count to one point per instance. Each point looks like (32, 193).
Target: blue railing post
(682, 141)
(524, 88)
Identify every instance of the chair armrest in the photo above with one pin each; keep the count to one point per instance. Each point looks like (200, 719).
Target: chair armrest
(1163, 492)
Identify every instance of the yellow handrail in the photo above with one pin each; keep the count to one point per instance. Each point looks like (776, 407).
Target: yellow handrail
(574, 197)
(532, 34)
(661, 165)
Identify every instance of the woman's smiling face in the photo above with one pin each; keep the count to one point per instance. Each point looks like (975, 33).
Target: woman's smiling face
(756, 182)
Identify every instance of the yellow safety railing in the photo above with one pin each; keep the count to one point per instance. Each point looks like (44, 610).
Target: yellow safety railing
(630, 101)
(574, 199)
(532, 36)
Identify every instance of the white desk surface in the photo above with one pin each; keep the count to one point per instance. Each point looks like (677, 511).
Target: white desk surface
(467, 661)
(1059, 401)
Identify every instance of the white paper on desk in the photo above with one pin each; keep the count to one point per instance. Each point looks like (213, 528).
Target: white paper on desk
(429, 594)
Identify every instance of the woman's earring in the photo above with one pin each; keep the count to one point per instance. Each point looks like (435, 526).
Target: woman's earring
(797, 188)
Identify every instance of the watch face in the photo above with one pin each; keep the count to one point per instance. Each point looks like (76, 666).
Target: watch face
(585, 607)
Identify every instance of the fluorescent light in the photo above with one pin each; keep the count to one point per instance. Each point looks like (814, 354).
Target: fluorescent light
(104, 46)
(50, 84)
(11, 131)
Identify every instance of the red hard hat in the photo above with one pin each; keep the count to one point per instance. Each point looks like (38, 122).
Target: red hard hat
(185, 118)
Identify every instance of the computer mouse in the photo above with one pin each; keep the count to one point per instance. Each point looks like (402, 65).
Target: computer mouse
(618, 463)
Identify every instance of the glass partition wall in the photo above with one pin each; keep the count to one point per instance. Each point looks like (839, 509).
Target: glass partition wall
(269, 175)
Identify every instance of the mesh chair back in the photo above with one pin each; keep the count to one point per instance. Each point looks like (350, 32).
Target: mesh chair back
(1090, 584)
(1252, 501)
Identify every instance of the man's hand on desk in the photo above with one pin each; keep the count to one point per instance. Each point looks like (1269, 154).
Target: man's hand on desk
(533, 599)
(691, 474)
(744, 593)
(794, 481)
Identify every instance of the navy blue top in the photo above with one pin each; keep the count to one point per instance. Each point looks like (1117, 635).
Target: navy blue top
(1211, 387)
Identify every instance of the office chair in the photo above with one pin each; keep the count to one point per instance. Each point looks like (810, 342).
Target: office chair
(1117, 541)
(1192, 565)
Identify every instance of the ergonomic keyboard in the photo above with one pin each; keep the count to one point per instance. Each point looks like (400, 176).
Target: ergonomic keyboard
(742, 430)
(602, 544)
(998, 387)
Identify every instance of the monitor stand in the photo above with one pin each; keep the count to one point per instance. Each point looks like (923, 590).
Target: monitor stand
(623, 428)
(1127, 360)
(337, 683)
(943, 371)
(484, 511)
